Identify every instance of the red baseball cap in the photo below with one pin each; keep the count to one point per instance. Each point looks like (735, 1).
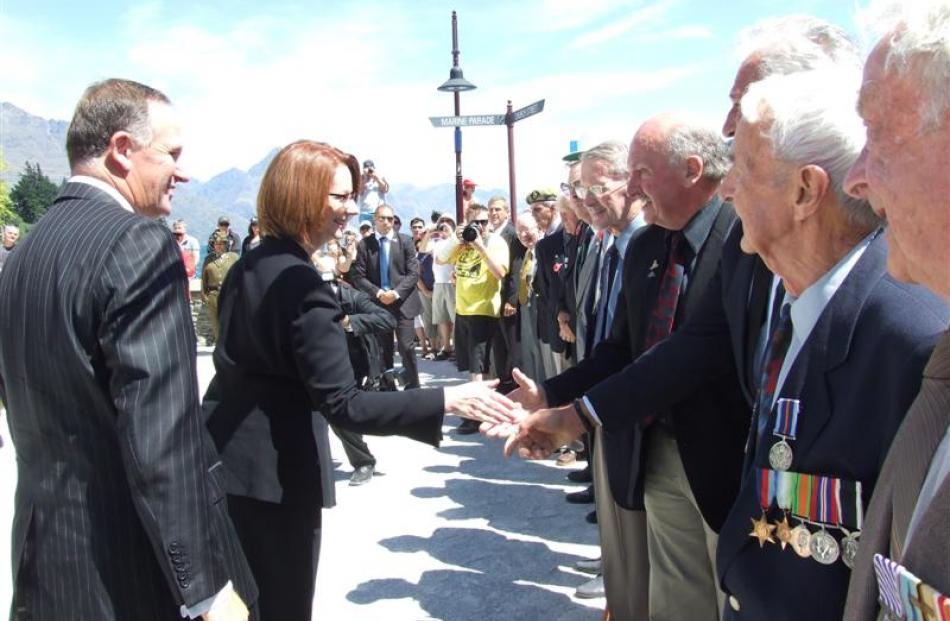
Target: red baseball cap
(468, 183)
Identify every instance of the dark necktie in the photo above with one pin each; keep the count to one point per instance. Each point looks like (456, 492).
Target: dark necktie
(607, 271)
(758, 314)
(384, 263)
(779, 341)
(664, 311)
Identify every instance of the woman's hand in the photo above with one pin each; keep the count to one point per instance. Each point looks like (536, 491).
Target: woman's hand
(479, 401)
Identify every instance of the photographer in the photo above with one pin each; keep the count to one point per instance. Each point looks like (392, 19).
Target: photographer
(374, 189)
(443, 290)
(481, 262)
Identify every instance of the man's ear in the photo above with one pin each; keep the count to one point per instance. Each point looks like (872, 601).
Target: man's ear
(811, 188)
(694, 169)
(119, 153)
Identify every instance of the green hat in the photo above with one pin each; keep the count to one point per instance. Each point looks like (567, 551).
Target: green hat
(542, 195)
(220, 237)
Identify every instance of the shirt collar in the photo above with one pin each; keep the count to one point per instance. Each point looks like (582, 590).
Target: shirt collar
(808, 307)
(700, 225)
(555, 222)
(624, 238)
(105, 187)
(390, 236)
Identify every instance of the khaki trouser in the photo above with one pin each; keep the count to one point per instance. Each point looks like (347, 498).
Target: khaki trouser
(682, 546)
(623, 547)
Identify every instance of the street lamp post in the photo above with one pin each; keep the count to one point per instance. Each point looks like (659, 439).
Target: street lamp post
(455, 85)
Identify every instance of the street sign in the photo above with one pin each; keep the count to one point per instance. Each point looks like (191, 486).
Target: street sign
(527, 111)
(468, 121)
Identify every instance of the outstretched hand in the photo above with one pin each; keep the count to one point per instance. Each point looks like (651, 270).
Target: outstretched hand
(541, 433)
(528, 393)
(478, 401)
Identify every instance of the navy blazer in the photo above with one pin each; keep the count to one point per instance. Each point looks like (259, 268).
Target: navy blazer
(403, 273)
(549, 252)
(282, 354)
(709, 421)
(855, 377)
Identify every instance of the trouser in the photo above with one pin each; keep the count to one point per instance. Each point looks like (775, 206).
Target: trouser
(356, 449)
(682, 546)
(623, 547)
(282, 546)
(405, 333)
(211, 304)
(506, 351)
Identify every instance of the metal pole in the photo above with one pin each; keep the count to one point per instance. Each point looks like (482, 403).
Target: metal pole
(513, 201)
(458, 130)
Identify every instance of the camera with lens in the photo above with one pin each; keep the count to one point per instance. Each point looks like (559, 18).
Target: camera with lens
(471, 232)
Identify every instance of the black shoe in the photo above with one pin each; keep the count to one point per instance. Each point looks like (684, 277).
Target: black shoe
(591, 517)
(442, 355)
(583, 497)
(361, 475)
(580, 476)
(467, 427)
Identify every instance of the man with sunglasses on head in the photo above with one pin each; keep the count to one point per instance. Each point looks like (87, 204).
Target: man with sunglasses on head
(480, 258)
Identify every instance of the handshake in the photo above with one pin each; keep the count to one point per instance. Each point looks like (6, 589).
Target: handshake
(521, 417)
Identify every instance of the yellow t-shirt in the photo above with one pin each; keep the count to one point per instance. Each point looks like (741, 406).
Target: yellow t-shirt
(477, 291)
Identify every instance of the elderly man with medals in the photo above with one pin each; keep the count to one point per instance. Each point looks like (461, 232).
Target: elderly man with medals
(843, 360)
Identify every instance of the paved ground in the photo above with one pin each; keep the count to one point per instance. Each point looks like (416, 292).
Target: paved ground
(455, 533)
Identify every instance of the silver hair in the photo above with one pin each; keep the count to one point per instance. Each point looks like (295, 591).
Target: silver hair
(688, 139)
(919, 36)
(498, 199)
(797, 43)
(613, 152)
(526, 218)
(810, 119)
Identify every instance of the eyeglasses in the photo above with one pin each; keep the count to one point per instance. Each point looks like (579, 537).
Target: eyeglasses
(569, 190)
(386, 218)
(597, 190)
(480, 222)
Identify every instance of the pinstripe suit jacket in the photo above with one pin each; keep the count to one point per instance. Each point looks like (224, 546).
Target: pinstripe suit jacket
(119, 510)
(928, 552)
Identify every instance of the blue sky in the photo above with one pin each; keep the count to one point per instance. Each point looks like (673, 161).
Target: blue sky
(249, 76)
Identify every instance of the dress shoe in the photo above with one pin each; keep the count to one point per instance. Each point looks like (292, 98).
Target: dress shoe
(591, 517)
(580, 476)
(467, 427)
(361, 475)
(591, 589)
(583, 497)
(589, 566)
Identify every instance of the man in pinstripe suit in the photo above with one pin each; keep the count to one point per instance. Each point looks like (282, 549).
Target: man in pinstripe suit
(119, 510)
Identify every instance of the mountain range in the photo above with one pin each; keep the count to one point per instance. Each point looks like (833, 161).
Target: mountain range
(29, 138)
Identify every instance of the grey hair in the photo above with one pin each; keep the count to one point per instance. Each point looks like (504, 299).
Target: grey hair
(810, 119)
(613, 152)
(919, 36)
(797, 43)
(687, 140)
(498, 199)
(526, 218)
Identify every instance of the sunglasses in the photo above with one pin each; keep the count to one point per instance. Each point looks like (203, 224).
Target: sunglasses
(480, 222)
(385, 218)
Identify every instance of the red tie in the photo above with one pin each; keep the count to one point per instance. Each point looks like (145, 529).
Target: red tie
(664, 312)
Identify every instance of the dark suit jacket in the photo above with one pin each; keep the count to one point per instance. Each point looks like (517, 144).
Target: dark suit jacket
(586, 275)
(516, 252)
(855, 377)
(119, 510)
(709, 422)
(927, 554)
(281, 355)
(367, 320)
(550, 254)
(403, 273)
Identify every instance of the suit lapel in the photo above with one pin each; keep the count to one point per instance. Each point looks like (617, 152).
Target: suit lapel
(827, 349)
(643, 269)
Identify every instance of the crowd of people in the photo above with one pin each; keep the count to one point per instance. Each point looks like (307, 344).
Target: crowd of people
(745, 328)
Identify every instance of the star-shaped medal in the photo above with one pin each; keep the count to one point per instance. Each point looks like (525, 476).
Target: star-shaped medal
(783, 531)
(762, 530)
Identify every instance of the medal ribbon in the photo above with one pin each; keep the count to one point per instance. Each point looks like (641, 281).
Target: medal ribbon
(813, 498)
(786, 418)
(887, 591)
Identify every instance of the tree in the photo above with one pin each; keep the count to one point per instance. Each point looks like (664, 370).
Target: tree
(33, 194)
(7, 215)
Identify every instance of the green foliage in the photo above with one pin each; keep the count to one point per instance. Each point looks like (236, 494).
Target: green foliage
(33, 194)
(7, 214)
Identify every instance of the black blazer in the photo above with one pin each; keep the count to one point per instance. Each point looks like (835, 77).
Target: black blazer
(709, 422)
(281, 355)
(119, 509)
(855, 377)
(550, 254)
(403, 273)
(367, 320)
